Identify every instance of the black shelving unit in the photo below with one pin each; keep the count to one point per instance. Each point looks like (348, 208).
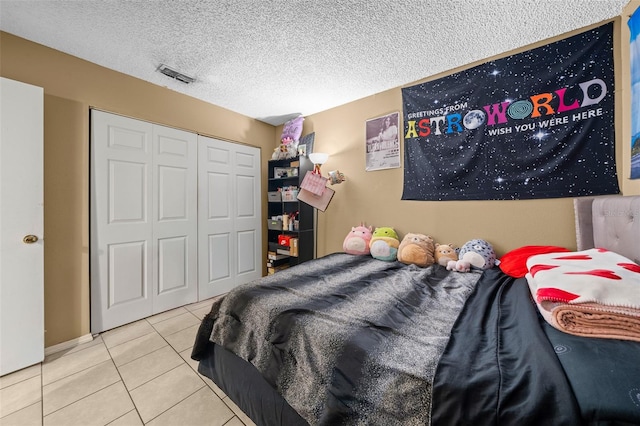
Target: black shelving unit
(288, 174)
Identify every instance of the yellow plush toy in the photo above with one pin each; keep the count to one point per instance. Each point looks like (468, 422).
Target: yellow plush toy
(445, 253)
(417, 249)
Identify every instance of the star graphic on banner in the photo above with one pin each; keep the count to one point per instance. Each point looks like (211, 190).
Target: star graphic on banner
(540, 135)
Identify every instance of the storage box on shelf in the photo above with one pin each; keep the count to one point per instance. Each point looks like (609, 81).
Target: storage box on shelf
(288, 217)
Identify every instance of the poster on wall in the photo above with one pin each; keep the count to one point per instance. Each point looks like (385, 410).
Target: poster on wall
(634, 26)
(382, 142)
(537, 124)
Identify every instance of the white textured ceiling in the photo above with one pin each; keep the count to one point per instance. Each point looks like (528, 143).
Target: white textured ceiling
(274, 59)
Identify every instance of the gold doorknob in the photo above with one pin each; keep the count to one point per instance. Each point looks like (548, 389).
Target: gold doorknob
(29, 239)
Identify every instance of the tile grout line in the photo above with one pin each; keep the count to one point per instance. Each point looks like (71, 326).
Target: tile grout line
(131, 340)
(73, 351)
(135, 407)
(182, 361)
(86, 396)
(204, 384)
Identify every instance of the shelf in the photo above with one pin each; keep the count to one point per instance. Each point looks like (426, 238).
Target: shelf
(305, 234)
(282, 231)
(285, 178)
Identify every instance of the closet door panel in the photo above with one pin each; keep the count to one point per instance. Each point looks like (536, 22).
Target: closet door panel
(215, 225)
(175, 228)
(247, 261)
(219, 251)
(127, 273)
(121, 222)
(127, 192)
(230, 216)
(248, 217)
(173, 264)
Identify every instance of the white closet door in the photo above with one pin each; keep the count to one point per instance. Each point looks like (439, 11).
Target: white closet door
(175, 218)
(229, 216)
(248, 214)
(121, 220)
(144, 220)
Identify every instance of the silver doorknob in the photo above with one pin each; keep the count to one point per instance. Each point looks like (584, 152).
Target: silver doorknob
(29, 239)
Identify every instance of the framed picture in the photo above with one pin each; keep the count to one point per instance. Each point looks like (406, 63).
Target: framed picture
(305, 145)
(284, 172)
(382, 142)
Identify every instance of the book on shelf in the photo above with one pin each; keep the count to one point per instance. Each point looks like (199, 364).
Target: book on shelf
(284, 252)
(275, 255)
(275, 269)
(272, 263)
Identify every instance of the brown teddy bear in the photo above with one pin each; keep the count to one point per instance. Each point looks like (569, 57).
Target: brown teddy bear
(445, 253)
(417, 249)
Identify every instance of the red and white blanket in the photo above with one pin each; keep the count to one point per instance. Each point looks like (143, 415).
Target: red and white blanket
(594, 293)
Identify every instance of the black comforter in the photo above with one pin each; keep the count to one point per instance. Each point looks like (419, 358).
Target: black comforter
(345, 339)
(499, 368)
(505, 365)
(402, 345)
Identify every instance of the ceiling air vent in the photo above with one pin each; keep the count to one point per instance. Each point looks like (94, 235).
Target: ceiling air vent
(175, 74)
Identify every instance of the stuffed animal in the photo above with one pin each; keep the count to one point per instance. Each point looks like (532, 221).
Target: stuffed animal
(474, 254)
(289, 140)
(384, 244)
(417, 249)
(287, 149)
(292, 130)
(444, 253)
(357, 241)
(280, 153)
(458, 265)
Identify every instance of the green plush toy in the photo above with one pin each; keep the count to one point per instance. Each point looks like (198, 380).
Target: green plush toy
(384, 244)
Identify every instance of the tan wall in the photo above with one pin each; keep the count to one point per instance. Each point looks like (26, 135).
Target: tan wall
(71, 87)
(375, 197)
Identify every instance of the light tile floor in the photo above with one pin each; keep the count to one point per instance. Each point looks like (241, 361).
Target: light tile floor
(138, 374)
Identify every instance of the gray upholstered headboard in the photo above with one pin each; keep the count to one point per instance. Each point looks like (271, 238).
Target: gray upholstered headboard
(611, 222)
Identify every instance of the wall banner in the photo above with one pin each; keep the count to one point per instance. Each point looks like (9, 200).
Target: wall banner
(538, 124)
(634, 26)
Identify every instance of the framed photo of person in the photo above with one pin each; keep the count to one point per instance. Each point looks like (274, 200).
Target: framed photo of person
(382, 142)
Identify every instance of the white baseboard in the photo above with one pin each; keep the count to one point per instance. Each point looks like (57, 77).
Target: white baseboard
(68, 344)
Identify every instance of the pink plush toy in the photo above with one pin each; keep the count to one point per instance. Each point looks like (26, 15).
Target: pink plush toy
(357, 241)
(459, 266)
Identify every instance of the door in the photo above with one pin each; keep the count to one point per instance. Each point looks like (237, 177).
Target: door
(21, 215)
(175, 218)
(143, 219)
(229, 216)
(121, 220)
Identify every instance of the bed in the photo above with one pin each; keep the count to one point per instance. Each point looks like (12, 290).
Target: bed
(346, 339)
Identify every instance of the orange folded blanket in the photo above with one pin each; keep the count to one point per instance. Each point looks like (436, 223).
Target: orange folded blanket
(592, 293)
